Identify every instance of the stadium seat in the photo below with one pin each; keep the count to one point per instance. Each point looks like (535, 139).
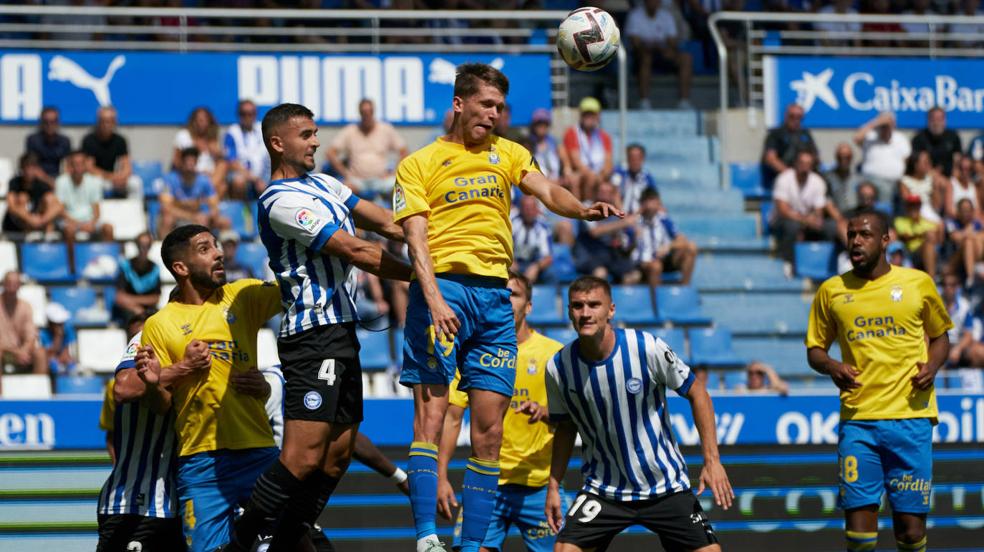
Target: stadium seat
(562, 268)
(786, 355)
(546, 307)
(734, 379)
(674, 337)
(8, 257)
(266, 349)
(37, 297)
(153, 216)
(100, 350)
(374, 354)
(150, 173)
(26, 386)
(253, 255)
(734, 226)
(712, 347)
(739, 272)
(563, 335)
(765, 211)
(79, 384)
(760, 314)
(82, 305)
(235, 211)
(747, 177)
(382, 386)
(127, 216)
(46, 262)
(815, 260)
(97, 261)
(634, 305)
(680, 305)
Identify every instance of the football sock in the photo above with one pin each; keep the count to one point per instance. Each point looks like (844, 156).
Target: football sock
(858, 541)
(911, 546)
(422, 475)
(303, 511)
(270, 495)
(477, 501)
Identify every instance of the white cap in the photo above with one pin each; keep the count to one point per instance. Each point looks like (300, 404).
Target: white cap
(56, 313)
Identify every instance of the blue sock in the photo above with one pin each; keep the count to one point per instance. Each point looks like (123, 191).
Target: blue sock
(422, 476)
(477, 501)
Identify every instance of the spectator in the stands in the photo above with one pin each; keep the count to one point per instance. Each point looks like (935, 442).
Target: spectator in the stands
(31, 202)
(783, 142)
(188, 197)
(553, 160)
(801, 207)
(604, 248)
(234, 270)
(918, 7)
(969, 349)
(589, 149)
(963, 231)
(921, 180)
(365, 153)
(505, 128)
(964, 184)
(970, 33)
(58, 339)
(762, 378)
(842, 180)
(975, 150)
(20, 349)
(920, 236)
(943, 144)
(661, 247)
(633, 179)
(532, 241)
(840, 7)
(867, 197)
(884, 151)
(879, 7)
(80, 193)
(202, 133)
(957, 306)
(49, 144)
(247, 159)
(654, 36)
(109, 155)
(138, 284)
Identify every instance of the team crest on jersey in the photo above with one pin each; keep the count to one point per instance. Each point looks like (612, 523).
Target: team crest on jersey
(400, 197)
(312, 400)
(305, 218)
(229, 316)
(897, 294)
(848, 298)
(531, 367)
(634, 386)
(670, 356)
(186, 329)
(493, 156)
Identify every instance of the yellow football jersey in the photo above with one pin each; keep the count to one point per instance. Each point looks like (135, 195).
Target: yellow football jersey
(881, 326)
(466, 195)
(524, 458)
(210, 414)
(108, 411)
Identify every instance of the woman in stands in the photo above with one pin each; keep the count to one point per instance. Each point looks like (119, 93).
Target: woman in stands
(202, 133)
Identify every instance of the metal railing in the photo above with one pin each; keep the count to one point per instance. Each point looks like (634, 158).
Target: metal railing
(780, 34)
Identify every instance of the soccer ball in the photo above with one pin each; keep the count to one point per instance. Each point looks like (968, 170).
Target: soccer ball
(588, 39)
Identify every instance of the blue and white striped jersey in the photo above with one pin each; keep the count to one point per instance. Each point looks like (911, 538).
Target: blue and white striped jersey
(296, 218)
(619, 408)
(143, 480)
(530, 243)
(655, 236)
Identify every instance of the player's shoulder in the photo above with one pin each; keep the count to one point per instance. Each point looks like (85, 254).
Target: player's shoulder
(911, 275)
(509, 146)
(543, 343)
(424, 154)
(835, 283)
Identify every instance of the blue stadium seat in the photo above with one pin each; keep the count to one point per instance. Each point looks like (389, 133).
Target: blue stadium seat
(680, 305)
(786, 355)
(46, 262)
(760, 314)
(563, 335)
(153, 216)
(734, 378)
(562, 268)
(634, 305)
(77, 299)
(765, 211)
(730, 272)
(674, 337)
(712, 347)
(397, 334)
(235, 211)
(815, 260)
(253, 255)
(685, 202)
(93, 253)
(732, 226)
(78, 384)
(109, 297)
(546, 308)
(375, 352)
(149, 172)
(747, 177)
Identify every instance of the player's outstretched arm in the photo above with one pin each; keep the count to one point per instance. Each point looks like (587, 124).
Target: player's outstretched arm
(447, 502)
(445, 322)
(563, 446)
(712, 475)
(844, 375)
(366, 452)
(367, 255)
(374, 218)
(561, 201)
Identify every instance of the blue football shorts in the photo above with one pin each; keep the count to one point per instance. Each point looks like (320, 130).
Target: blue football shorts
(893, 456)
(212, 486)
(484, 349)
(523, 507)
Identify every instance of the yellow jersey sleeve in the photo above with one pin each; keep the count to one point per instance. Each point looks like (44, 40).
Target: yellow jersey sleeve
(108, 407)
(522, 161)
(410, 190)
(264, 297)
(455, 396)
(822, 326)
(153, 336)
(935, 317)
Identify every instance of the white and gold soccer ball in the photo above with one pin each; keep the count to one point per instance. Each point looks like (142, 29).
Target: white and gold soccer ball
(588, 39)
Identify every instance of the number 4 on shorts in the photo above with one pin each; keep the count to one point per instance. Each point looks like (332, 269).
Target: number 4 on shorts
(327, 371)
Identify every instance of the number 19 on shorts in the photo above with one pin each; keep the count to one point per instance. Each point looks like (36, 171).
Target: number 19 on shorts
(589, 509)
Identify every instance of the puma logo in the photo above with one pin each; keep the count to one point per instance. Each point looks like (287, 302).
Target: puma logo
(63, 69)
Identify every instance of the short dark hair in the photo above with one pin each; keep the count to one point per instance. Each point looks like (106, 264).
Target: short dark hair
(935, 108)
(471, 75)
(190, 151)
(27, 159)
(587, 283)
(636, 145)
(177, 242)
(649, 193)
(881, 217)
(870, 184)
(280, 115)
(525, 281)
(49, 109)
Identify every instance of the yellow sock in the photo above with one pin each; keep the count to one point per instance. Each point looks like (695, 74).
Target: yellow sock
(859, 541)
(911, 546)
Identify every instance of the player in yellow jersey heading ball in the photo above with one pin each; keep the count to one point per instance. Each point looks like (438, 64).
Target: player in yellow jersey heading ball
(882, 316)
(453, 200)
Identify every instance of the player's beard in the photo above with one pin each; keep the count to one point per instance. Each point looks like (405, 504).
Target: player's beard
(205, 279)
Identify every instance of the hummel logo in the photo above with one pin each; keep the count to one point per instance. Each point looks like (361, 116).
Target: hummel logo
(811, 87)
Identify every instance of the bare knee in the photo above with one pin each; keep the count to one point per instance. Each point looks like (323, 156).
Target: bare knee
(486, 441)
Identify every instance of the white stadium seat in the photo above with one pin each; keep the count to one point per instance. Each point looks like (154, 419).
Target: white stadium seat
(8, 253)
(35, 296)
(26, 386)
(266, 349)
(165, 295)
(100, 350)
(382, 385)
(126, 215)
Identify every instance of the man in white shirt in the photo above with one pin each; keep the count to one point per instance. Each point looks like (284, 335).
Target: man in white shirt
(366, 148)
(653, 33)
(249, 163)
(800, 197)
(80, 192)
(884, 151)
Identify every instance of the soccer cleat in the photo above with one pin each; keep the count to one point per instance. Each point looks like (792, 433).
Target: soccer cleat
(430, 544)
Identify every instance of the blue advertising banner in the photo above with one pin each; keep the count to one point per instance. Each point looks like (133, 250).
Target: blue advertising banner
(741, 420)
(847, 92)
(152, 88)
